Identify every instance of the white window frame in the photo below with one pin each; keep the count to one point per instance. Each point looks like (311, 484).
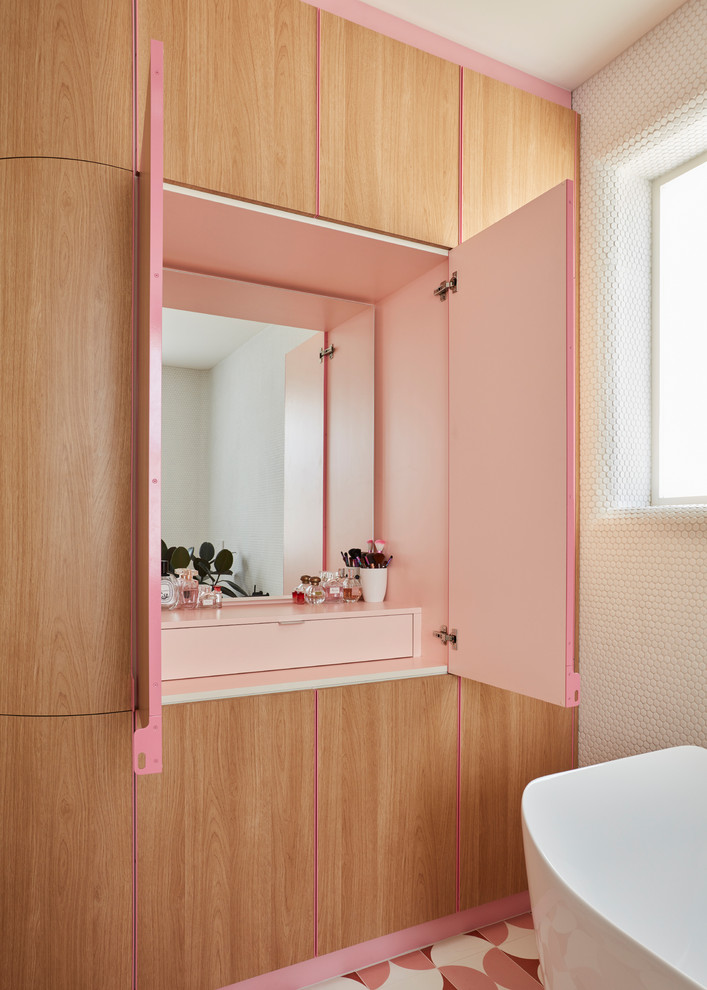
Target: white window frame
(655, 336)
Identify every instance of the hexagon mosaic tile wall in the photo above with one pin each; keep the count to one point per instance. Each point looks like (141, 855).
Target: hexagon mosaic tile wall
(643, 569)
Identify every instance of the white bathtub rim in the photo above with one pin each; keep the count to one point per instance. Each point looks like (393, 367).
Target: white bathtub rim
(603, 919)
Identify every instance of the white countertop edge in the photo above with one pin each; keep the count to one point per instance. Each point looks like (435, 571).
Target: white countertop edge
(323, 682)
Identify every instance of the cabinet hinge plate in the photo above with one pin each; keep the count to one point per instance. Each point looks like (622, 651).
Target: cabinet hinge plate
(447, 636)
(444, 287)
(326, 352)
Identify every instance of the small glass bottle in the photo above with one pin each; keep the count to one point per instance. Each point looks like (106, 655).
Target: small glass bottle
(168, 589)
(352, 586)
(298, 593)
(218, 596)
(206, 596)
(333, 586)
(188, 587)
(314, 593)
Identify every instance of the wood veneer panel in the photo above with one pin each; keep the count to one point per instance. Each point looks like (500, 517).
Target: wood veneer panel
(226, 843)
(515, 147)
(66, 836)
(389, 134)
(387, 803)
(66, 80)
(65, 405)
(507, 740)
(240, 96)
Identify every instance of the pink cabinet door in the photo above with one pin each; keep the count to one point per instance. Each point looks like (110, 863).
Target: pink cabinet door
(512, 465)
(147, 743)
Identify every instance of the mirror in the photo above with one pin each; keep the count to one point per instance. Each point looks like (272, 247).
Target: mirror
(252, 417)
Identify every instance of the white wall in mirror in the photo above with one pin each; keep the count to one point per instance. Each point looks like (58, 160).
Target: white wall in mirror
(223, 439)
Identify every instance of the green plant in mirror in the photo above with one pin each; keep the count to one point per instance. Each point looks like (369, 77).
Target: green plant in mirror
(210, 566)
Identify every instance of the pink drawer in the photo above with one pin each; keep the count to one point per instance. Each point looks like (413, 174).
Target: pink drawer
(205, 651)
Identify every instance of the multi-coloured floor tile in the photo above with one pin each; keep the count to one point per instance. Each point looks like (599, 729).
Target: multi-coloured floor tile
(498, 957)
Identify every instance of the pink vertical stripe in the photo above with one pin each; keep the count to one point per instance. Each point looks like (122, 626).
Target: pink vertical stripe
(319, 109)
(461, 153)
(325, 449)
(458, 892)
(316, 825)
(571, 678)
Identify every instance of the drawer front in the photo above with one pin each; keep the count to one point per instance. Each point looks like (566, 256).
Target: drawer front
(206, 651)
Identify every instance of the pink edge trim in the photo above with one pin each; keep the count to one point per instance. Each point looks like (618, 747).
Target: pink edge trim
(461, 153)
(319, 113)
(325, 449)
(571, 678)
(358, 957)
(394, 27)
(459, 794)
(315, 949)
(147, 740)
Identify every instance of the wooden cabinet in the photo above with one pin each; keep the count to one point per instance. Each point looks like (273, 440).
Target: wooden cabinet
(240, 96)
(65, 403)
(515, 147)
(387, 808)
(66, 80)
(389, 135)
(506, 741)
(226, 843)
(66, 880)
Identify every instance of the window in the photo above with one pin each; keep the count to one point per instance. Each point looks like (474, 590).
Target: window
(680, 335)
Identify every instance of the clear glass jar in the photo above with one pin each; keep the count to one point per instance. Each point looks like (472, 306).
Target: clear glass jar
(352, 586)
(314, 593)
(298, 593)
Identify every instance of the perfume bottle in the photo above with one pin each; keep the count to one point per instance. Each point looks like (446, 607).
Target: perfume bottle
(206, 596)
(333, 586)
(352, 586)
(314, 593)
(298, 593)
(188, 587)
(218, 596)
(168, 588)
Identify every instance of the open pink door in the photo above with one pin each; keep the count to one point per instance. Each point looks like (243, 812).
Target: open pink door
(147, 742)
(512, 465)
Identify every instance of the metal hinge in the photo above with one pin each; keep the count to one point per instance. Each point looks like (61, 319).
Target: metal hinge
(444, 287)
(447, 636)
(326, 352)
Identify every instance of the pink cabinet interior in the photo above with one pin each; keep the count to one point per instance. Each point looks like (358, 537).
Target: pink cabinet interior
(498, 391)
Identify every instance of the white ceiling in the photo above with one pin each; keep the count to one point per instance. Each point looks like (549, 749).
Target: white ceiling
(563, 42)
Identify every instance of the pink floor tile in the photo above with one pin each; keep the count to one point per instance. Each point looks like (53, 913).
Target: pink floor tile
(374, 977)
(507, 973)
(413, 960)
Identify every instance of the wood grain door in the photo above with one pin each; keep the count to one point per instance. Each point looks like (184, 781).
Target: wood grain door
(387, 808)
(516, 146)
(507, 740)
(389, 135)
(66, 409)
(240, 96)
(66, 80)
(225, 886)
(66, 839)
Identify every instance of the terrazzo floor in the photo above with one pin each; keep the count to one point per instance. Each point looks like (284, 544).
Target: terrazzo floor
(499, 957)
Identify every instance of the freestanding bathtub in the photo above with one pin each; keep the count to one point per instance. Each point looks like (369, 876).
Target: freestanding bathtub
(617, 870)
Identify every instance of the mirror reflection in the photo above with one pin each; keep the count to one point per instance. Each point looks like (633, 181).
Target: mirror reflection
(233, 416)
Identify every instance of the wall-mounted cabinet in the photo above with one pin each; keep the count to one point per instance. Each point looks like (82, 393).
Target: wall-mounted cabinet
(66, 408)
(71, 97)
(240, 96)
(515, 146)
(389, 135)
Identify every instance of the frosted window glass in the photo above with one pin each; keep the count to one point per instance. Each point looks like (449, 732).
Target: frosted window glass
(680, 351)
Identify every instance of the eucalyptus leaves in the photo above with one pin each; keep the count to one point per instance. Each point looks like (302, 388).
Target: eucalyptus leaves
(209, 566)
